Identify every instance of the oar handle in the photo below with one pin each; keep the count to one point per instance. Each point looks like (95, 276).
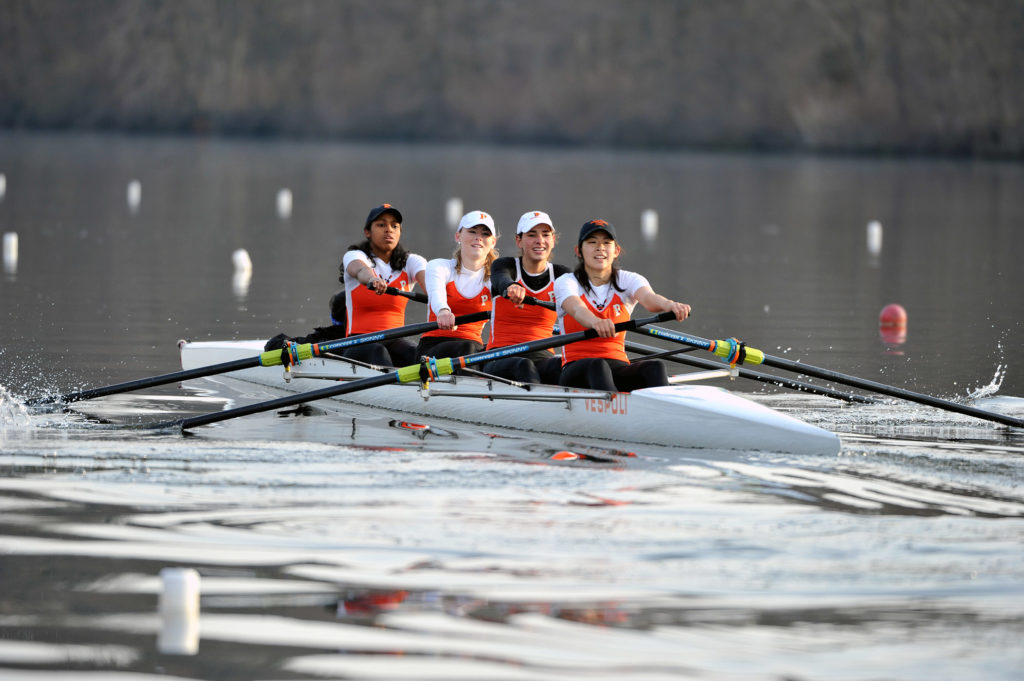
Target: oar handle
(411, 295)
(530, 300)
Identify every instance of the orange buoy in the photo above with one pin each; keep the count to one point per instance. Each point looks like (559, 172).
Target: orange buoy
(892, 324)
(565, 455)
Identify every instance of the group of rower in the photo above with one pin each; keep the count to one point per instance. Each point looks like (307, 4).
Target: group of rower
(597, 294)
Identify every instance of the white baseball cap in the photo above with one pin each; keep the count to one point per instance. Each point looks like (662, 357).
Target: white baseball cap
(531, 220)
(477, 217)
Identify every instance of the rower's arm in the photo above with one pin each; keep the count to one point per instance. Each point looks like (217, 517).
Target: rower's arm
(362, 273)
(574, 306)
(502, 276)
(655, 302)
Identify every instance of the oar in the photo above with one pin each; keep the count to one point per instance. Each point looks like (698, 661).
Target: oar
(734, 351)
(266, 358)
(422, 297)
(655, 353)
(411, 295)
(414, 373)
(530, 300)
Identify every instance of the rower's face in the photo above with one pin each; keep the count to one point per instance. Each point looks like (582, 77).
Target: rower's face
(537, 244)
(598, 250)
(384, 232)
(478, 239)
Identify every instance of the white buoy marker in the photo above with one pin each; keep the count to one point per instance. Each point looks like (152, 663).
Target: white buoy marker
(3, 185)
(133, 195)
(453, 211)
(243, 272)
(284, 203)
(874, 234)
(649, 224)
(241, 260)
(179, 611)
(10, 252)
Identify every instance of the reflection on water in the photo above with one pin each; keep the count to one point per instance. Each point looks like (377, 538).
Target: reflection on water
(336, 542)
(440, 550)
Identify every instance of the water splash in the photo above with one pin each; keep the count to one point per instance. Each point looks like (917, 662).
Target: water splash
(992, 388)
(13, 413)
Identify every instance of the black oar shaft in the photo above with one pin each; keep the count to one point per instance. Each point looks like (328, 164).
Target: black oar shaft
(754, 375)
(150, 382)
(282, 402)
(411, 295)
(235, 365)
(892, 391)
(853, 381)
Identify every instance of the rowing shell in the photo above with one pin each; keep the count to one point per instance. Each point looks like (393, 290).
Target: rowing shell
(688, 416)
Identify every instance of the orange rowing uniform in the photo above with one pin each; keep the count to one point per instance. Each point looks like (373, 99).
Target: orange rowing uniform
(511, 325)
(459, 306)
(369, 312)
(618, 311)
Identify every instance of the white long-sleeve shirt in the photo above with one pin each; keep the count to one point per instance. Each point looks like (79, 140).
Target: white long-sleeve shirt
(440, 271)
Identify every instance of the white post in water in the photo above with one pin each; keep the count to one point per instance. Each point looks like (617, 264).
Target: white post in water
(134, 195)
(453, 211)
(243, 272)
(874, 237)
(10, 252)
(3, 185)
(179, 611)
(284, 203)
(649, 224)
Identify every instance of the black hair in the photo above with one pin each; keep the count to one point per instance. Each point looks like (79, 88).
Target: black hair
(399, 257)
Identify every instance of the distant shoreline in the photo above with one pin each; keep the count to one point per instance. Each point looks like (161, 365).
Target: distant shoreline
(847, 77)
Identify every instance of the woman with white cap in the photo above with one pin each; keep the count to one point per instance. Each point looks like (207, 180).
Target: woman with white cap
(597, 295)
(512, 280)
(367, 270)
(458, 286)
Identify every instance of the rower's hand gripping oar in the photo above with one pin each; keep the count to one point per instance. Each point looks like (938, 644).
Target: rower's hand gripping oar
(742, 353)
(290, 354)
(414, 373)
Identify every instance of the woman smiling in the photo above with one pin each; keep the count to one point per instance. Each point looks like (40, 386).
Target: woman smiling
(597, 295)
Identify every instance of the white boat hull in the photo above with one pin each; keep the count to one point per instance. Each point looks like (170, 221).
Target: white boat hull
(688, 416)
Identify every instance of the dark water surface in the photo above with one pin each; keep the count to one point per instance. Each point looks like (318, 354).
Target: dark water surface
(336, 543)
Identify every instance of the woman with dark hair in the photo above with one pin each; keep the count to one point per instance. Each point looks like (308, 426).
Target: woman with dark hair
(367, 270)
(458, 286)
(597, 295)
